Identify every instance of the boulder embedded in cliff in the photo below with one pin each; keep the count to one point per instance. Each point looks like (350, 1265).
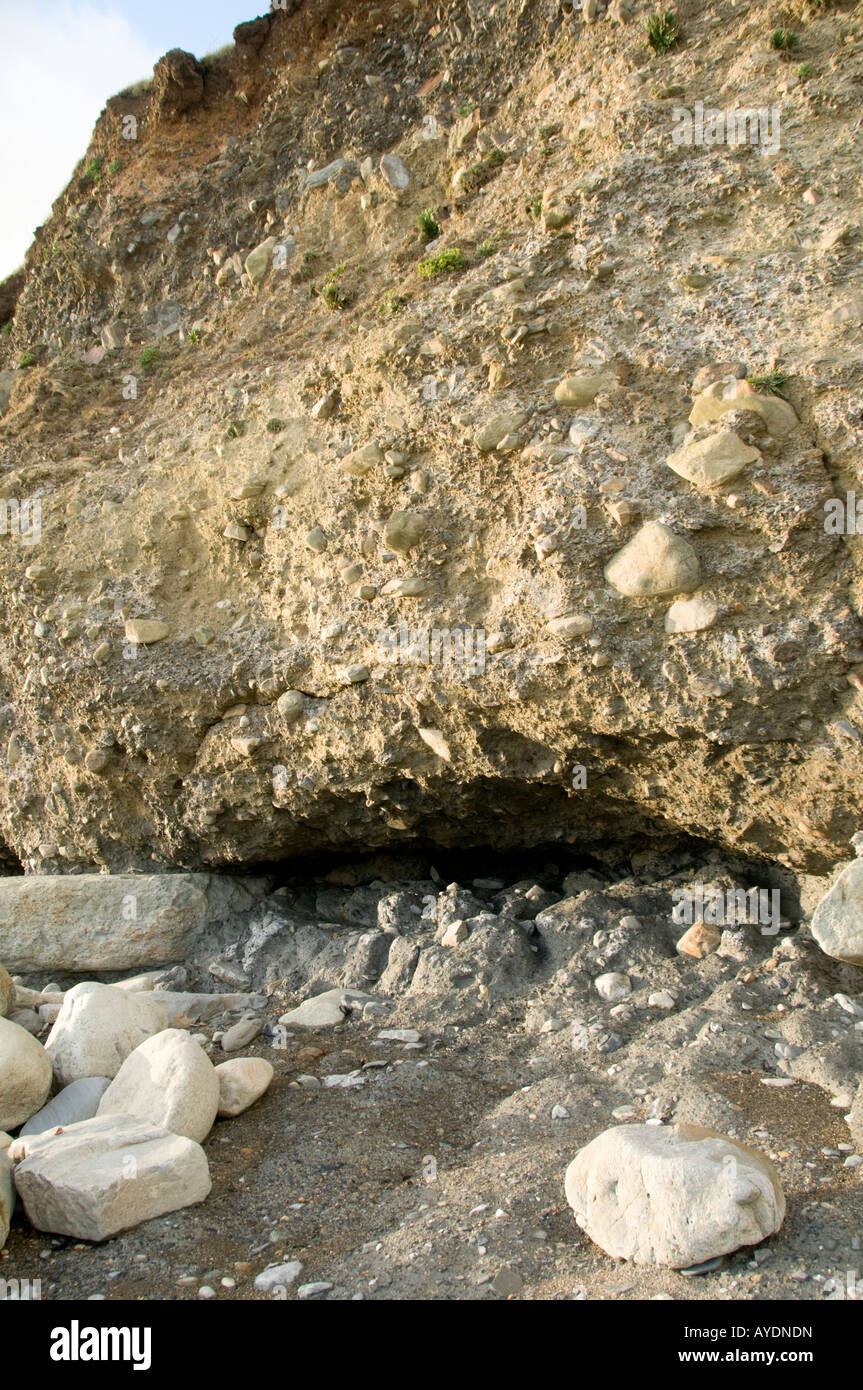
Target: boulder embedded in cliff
(107, 921)
(178, 83)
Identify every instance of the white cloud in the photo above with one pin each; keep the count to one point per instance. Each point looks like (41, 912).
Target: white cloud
(61, 62)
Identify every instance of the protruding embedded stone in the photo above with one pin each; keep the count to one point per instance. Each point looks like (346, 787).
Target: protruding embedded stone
(691, 615)
(361, 462)
(673, 1196)
(570, 625)
(395, 171)
(710, 462)
(106, 1175)
(701, 939)
(404, 531)
(490, 435)
(258, 261)
(656, 561)
(143, 631)
(582, 388)
(721, 397)
(290, 705)
(83, 922)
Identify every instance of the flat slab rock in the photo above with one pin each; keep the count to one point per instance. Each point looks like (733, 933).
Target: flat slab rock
(105, 1175)
(80, 922)
(673, 1196)
(325, 1010)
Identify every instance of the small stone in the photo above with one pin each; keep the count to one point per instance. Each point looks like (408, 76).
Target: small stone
(325, 1010)
(582, 388)
(306, 1291)
(490, 435)
(278, 1276)
(241, 1034)
(315, 540)
(290, 705)
(654, 562)
(710, 462)
(361, 462)
(242, 1081)
(613, 986)
(700, 940)
(721, 397)
(143, 631)
(404, 531)
(395, 171)
(258, 261)
(434, 739)
(356, 674)
(569, 626)
(455, 933)
(691, 615)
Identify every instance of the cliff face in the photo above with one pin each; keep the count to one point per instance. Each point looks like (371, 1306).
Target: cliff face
(311, 516)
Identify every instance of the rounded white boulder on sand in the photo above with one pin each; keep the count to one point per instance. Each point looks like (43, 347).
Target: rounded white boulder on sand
(25, 1075)
(242, 1081)
(96, 1029)
(168, 1081)
(673, 1196)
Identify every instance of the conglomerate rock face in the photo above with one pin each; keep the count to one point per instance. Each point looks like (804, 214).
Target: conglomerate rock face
(317, 537)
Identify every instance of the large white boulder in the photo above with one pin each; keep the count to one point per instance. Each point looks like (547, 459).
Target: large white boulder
(242, 1081)
(83, 922)
(7, 993)
(168, 1081)
(96, 1029)
(25, 1074)
(74, 1103)
(7, 1187)
(105, 1175)
(673, 1196)
(837, 923)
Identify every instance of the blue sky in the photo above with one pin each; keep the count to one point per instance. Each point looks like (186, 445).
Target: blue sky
(62, 59)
